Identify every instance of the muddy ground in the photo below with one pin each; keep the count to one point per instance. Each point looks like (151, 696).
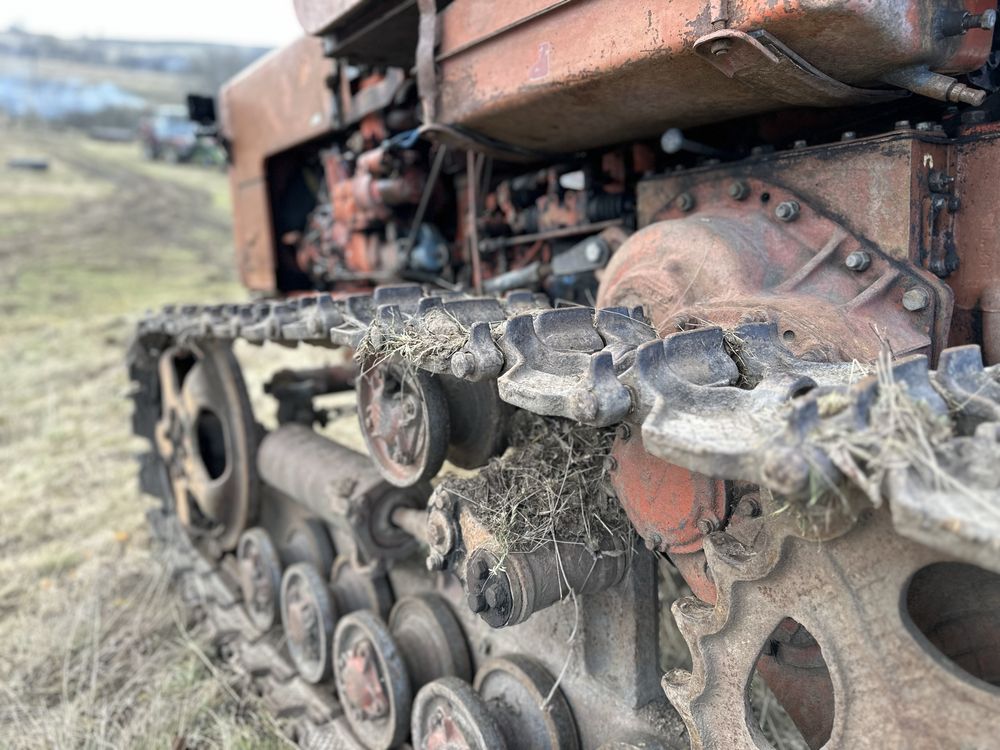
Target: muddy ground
(93, 651)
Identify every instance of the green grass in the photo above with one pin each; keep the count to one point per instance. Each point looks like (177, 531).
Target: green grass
(96, 653)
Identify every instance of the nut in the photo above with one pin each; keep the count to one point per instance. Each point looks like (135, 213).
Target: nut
(859, 261)
(685, 202)
(739, 190)
(787, 211)
(916, 299)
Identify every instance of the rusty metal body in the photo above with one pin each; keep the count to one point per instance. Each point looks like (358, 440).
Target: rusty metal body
(776, 333)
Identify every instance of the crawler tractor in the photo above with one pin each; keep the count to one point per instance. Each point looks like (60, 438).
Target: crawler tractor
(674, 335)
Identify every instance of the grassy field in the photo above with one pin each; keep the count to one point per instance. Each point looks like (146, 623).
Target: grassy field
(94, 651)
(154, 86)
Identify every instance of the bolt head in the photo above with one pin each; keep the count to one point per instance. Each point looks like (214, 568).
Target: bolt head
(706, 526)
(859, 261)
(915, 300)
(787, 211)
(848, 135)
(592, 252)
(739, 190)
(462, 364)
(720, 47)
(685, 202)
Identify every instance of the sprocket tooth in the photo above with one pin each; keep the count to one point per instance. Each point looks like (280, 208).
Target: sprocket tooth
(693, 616)
(676, 684)
(723, 549)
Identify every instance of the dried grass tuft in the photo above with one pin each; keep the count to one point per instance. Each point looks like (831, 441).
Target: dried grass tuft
(430, 340)
(903, 433)
(551, 484)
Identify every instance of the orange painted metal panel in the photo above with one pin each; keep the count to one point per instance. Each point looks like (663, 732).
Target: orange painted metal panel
(278, 103)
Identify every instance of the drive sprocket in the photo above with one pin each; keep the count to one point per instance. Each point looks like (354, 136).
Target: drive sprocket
(850, 593)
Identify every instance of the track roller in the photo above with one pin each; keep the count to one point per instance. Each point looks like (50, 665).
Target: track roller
(448, 713)
(308, 616)
(260, 577)
(502, 710)
(378, 667)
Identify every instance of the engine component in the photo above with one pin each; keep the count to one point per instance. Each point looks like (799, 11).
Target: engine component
(308, 617)
(206, 438)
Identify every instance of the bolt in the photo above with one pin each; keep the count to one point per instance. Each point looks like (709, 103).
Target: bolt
(902, 125)
(720, 47)
(477, 602)
(925, 126)
(463, 364)
(959, 92)
(624, 432)
(787, 211)
(748, 506)
(858, 261)
(739, 190)
(610, 464)
(685, 202)
(707, 525)
(592, 252)
(985, 20)
(916, 299)
(848, 135)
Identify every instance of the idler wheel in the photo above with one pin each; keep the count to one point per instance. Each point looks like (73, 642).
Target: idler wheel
(260, 577)
(449, 715)
(517, 686)
(206, 437)
(430, 639)
(404, 420)
(372, 681)
(307, 615)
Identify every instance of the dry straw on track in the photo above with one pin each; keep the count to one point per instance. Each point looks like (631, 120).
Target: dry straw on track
(551, 484)
(431, 339)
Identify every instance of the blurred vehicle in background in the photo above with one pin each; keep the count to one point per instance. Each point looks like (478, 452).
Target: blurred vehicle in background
(169, 135)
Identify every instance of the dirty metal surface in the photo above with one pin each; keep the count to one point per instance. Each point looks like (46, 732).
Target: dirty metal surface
(549, 75)
(683, 391)
(279, 102)
(776, 575)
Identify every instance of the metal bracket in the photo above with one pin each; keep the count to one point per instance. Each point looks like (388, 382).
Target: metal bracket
(766, 65)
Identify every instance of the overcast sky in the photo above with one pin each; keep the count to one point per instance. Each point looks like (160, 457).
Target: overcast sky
(253, 22)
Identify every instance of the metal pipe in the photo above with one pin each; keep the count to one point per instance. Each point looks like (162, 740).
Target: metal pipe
(315, 471)
(411, 520)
